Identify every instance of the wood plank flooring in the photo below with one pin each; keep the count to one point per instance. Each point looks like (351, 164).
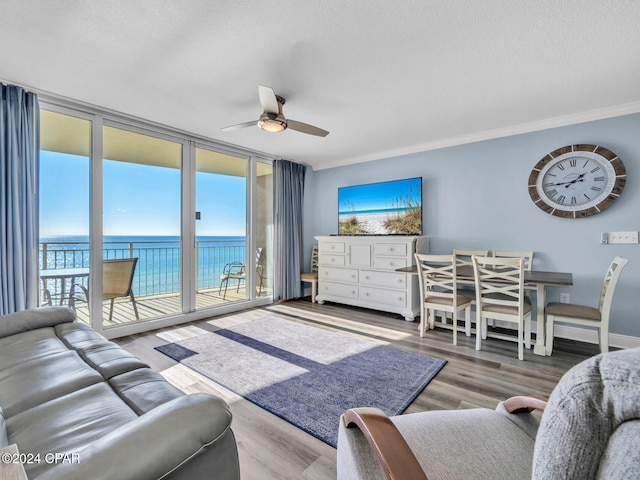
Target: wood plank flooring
(271, 448)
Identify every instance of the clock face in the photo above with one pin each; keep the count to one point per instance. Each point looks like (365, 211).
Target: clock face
(577, 181)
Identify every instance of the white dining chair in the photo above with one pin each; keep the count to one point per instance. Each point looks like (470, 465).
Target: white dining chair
(585, 315)
(439, 291)
(500, 296)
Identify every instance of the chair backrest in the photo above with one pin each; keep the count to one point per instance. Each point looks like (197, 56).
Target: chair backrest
(609, 285)
(499, 281)
(314, 259)
(437, 275)
(117, 276)
(527, 256)
(463, 257)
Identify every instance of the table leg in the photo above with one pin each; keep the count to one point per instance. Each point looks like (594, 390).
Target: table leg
(540, 346)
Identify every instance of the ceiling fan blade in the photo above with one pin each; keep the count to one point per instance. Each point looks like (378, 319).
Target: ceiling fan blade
(306, 128)
(268, 99)
(239, 126)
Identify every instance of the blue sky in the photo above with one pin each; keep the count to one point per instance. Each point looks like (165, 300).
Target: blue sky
(138, 199)
(377, 196)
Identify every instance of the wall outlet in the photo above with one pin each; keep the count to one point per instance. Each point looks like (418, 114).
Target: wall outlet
(623, 237)
(565, 298)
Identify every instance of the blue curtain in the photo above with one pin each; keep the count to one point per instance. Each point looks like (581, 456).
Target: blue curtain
(19, 166)
(288, 201)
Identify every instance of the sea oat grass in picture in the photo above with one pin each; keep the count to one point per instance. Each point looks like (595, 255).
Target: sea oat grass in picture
(386, 208)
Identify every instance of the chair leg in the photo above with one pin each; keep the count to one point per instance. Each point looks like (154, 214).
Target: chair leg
(111, 310)
(423, 322)
(314, 286)
(520, 341)
(478, 330)
(603, 340)
(454, 321)
(135, 306)
(527, 332)
(549, 336)
(467, 321)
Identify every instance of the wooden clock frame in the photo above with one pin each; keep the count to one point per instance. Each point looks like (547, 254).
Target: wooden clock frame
(604, 154)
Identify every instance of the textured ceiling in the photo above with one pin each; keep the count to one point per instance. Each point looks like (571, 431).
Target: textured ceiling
(384, 77)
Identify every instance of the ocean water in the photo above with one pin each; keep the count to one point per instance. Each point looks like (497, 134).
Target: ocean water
(158, 270)
(374, 211)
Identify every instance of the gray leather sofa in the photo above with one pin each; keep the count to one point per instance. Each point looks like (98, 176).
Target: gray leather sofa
(590, 429)
(65, 389)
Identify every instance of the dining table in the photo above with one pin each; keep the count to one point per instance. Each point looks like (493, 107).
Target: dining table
(537, 280)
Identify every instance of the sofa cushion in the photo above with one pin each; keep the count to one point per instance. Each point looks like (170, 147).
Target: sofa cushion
(30, 345)
(37, 381)
(144, 389)
(77, 335)
(4, 436)
(68, 423)
(26, 320)
(109, 359)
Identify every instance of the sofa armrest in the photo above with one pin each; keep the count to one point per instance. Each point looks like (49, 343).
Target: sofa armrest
(390, 447)
(154, 445)
(33, 319)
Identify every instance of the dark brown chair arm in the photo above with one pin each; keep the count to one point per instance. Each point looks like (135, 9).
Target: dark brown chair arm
(522, 404)
(397, 459)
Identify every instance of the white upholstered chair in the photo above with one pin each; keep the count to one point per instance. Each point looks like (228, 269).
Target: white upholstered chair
(578, 437)
(500, 296)
(439, 291)
(584, 315)
(312, 276)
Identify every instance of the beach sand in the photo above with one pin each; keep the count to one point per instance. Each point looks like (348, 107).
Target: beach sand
(372, 222)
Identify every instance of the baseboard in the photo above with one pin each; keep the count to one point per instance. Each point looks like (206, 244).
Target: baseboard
(586, 335)
(591, 336)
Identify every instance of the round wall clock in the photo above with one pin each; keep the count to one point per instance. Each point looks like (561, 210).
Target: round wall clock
(577, 181)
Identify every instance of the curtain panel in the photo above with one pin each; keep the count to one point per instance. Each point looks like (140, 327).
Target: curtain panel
(288, 201)
(19, 167)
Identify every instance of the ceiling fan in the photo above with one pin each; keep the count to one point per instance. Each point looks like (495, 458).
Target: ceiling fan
(272, 118)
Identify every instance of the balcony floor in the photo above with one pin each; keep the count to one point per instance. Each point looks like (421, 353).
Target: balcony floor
(160, 305)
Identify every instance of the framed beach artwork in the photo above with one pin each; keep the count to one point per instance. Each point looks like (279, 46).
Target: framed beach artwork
(384, 208)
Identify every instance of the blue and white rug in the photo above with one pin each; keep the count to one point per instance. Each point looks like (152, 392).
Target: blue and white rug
(305, 375)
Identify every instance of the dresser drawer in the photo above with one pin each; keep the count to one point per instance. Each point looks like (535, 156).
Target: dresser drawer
(391, 249)
(332, 260)
(339, 290)
(347, 275)
(384, 279)
(389, 263)
(387, 297)
(332, 247)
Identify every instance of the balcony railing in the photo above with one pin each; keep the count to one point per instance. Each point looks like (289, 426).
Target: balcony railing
(158, 268)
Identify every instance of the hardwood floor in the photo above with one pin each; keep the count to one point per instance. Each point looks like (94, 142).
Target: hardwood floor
(271, 448)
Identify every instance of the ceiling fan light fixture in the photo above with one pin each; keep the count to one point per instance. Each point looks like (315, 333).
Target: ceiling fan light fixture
(272, 123)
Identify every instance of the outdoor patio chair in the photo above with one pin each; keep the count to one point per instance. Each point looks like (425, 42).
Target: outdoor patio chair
(238, 271)
(117, 281)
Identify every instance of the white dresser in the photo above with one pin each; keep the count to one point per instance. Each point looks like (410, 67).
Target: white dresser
(360, 271)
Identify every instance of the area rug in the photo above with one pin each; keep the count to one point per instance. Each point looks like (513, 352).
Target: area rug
(306, 375)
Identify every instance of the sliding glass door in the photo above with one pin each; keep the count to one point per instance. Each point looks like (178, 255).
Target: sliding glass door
(65, 178)
(141, 191)
(223, 268)
(179, 227)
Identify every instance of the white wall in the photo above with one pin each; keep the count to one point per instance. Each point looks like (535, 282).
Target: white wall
(475, 196)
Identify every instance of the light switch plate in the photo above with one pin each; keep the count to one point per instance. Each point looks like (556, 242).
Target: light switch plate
(623, 237)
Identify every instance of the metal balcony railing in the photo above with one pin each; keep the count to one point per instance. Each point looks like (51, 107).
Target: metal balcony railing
(158, 269)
